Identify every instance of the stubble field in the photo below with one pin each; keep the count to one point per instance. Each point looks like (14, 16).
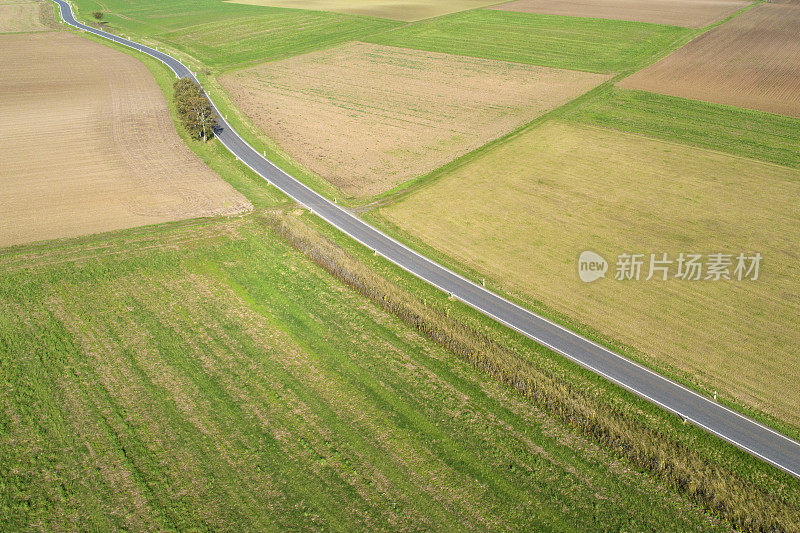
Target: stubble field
(688, 13)
(596, 189)
(368, 117)
(408, 10)
(21, 16)
(89, 146)
(752, 61)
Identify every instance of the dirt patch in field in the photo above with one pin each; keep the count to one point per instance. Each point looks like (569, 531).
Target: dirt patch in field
(408, 10)
(688, 13)
(21, 16)
(368, 117)
(752, 61)
(89, 146)
(524, 211)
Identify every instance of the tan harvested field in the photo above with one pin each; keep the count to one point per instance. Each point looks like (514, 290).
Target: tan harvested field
(368, 117)
(408, 10)
(687, 13)
(21, 16)
(752, 61)
(524, 225)
(89, 146)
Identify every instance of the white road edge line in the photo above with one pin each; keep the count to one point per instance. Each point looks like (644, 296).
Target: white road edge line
(544, 343)
(138, 47)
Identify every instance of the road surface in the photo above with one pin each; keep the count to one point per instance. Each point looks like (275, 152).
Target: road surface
(704, 412)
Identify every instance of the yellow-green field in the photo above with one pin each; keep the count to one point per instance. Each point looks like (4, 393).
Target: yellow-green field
(408, 10)
(524, 224)
(20, 16)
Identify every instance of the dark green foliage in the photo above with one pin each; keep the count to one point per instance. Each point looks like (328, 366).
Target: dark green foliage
(195, 110)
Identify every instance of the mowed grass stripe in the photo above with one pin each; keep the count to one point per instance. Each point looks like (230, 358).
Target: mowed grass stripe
(745, 132)
(594, 45)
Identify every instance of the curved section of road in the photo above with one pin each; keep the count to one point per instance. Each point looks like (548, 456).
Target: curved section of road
(704, 412)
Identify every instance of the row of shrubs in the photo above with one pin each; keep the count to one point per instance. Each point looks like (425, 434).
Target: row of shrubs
(739, 501)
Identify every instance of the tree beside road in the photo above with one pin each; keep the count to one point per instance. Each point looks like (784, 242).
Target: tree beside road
(195, 110)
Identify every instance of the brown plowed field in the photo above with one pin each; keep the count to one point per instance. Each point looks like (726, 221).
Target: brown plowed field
(688, 13)
(88, 145)
(368, 117)
(752, 61)
(20, 16)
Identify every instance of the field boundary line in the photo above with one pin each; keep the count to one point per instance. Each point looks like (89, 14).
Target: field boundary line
(352, 226)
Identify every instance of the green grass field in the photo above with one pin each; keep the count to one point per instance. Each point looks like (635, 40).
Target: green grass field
(407, 10)
(593, 45)
(225, 36)
(215, 378)
(745, 132)
(206, 375)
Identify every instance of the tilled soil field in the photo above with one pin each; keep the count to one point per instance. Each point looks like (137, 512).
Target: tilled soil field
(752, 61)
(368, 117)
(89, 146)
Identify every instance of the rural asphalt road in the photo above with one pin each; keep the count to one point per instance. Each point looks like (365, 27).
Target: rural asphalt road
(704, 412)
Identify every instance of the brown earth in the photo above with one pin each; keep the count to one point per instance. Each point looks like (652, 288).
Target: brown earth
(688, 13)
(368, 117)
(88, 145)
(21, 16)
(753, 61)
